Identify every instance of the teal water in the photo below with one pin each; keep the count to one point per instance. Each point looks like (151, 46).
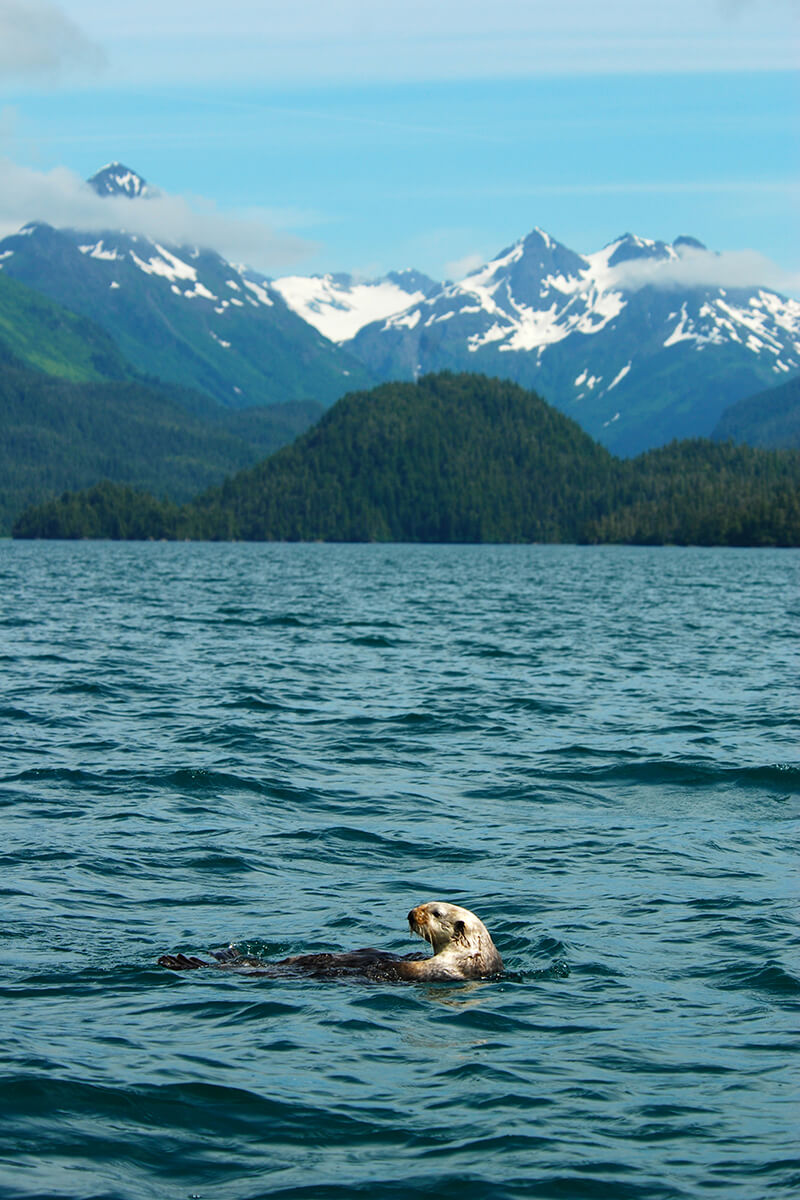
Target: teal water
(595, 749)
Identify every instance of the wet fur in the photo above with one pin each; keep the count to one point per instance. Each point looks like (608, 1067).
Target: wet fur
(462, 949)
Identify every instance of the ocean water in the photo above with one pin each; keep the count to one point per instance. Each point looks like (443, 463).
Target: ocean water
(288, 746)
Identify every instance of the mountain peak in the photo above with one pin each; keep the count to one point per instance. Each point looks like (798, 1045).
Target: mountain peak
(685, 242)
(630, 246)
(527, 266)
(411, 280)
(115, 179)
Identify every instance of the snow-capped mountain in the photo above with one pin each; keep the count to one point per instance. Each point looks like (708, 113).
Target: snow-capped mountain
(340, 305)
(625, 340)
(114, 179)
(617, 338)
(180, 313)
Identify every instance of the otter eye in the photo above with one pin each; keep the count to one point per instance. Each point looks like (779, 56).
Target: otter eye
(438, 911)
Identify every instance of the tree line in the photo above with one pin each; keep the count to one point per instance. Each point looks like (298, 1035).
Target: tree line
(460, 458)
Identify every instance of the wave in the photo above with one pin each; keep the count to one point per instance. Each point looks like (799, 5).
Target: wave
(768, 977)
(628, 767)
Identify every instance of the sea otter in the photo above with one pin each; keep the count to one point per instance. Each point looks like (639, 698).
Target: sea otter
(462, 949)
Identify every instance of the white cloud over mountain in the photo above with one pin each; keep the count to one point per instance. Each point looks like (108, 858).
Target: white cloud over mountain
(703, 268)
(60, 198)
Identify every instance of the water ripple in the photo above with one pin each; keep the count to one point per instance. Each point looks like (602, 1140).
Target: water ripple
(285, 748)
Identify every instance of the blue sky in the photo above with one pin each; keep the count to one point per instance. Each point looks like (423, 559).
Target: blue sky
(416, 134)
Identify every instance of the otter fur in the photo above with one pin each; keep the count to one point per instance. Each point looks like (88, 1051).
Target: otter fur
(462, 949)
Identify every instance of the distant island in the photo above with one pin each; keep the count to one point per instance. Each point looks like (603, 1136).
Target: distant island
(459, 458)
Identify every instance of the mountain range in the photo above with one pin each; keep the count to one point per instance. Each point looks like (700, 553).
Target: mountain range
(182, 314)
(617, 339)
(612, 338)
(340, 305)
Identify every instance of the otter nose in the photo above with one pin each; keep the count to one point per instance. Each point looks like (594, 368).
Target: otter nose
(412, 916)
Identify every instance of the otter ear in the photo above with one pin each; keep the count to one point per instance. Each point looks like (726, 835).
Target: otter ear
(459, 928)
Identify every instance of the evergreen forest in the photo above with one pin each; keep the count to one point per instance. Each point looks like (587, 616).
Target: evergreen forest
(770, 418)
(460, 458)
(58, 433)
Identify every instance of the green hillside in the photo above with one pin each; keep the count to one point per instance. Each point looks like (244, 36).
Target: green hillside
(770, 418)
(73, 410)
(452, 458)
(41, 334)
(702, 493)
(462, 458)
(56, 434)
(208, 331)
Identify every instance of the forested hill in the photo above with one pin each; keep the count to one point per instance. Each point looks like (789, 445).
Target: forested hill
(57, 434)
(462, 458)
(770, 418)
(452, 458)
(73, 410)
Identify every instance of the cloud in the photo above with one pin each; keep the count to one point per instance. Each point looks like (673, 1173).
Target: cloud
(360, 40)
(38, 39)
(60, 198)
(734, 9)
(445, 18)
(8, 123)
(462, 266)
(703, 268)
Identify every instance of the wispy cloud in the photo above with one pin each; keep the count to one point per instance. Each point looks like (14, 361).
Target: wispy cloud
(703, 268)
(735, 9)
(360, 40)
(60, 198)
(38, 39)
(462, 266)
(329, 17)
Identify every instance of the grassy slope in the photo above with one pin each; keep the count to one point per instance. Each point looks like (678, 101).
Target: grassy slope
(245, 355)
(41, 334)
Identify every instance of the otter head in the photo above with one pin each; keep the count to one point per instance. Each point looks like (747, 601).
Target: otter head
(455, 932)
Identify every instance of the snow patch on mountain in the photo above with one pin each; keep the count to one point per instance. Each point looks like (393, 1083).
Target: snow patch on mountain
(409, 319)
(759, 321)
(259, 291)
(171, 265)
(165, 263)
(199, 291)
(537, 293)
(583, 302)
(97, 250)
(685, 330)
(618, 378)
(338, 306)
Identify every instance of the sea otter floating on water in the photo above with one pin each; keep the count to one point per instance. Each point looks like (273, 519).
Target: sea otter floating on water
(462, 949)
